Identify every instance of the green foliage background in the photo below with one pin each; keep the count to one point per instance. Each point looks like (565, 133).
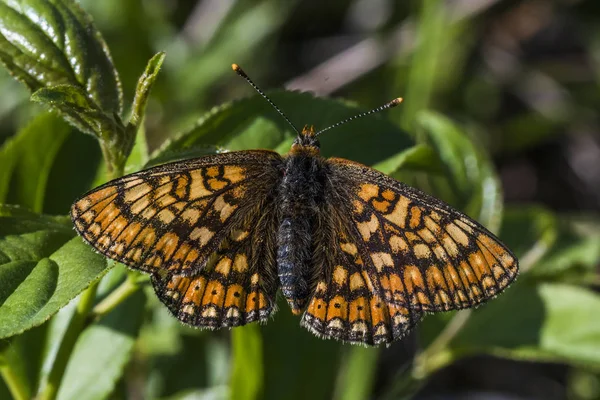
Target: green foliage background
(477, 93)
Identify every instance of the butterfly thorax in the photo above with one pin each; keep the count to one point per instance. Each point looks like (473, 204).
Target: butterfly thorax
(300, 196)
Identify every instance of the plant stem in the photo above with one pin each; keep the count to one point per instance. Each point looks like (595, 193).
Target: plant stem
(15, 382)
(76, 326)
(116, 297)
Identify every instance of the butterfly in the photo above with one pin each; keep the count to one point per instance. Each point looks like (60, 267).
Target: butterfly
(362, 257)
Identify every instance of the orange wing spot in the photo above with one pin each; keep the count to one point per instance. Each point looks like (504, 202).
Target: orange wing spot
(479, 265)
(397, 244)
(106, 216)
(148, 212)
(116, 227)
(197, 187)
(216, 184)
(421, 251)
(357, 206)
(191, 258)
(165, 216)
(432, 226)
(167, 244)
(468, 271)
(163, 190)
(108, 193)
(452, 277)
(181, 185)
(180, 254)
(412, 238)
(252, 301)
(233, 174)
(337, 308)
(464, 226)
(212, 172)
(359, 310)
(195, 290)
(397, 288)
(498, 272)
(367, 191)
(191, 216)
(238, 236)
(367, 228)
(136, 192)
(412, 278)
(398, 215)
(388, 195)
(340, 275)
(435, 279)
(214, 293)
(440, 253)
(457, 234)
(415, 217)
(223, 267)
(450, 245)
(427, 236)
(356, 281)
(235, 294)
(164, 201)
(423, 299)
(349, 248)
(140, 205)
(318, 308)
(381, 206)
(202, 235)
(240, 264)
(224, 208)
(378, 314)
(381, 260)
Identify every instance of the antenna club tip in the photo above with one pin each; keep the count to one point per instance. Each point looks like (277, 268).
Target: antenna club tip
(396, 101)
(235, 67)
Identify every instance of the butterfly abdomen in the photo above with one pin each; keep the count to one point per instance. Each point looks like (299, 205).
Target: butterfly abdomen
(300, 193)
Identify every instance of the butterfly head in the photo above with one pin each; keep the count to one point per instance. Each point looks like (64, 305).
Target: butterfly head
(307, 140)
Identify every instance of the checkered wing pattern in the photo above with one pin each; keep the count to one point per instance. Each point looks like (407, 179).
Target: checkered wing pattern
(398, 254)
(171, 218)
(236, 286)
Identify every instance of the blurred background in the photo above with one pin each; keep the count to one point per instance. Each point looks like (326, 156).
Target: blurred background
(521, 78)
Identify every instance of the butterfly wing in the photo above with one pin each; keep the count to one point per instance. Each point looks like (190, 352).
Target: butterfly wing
(236, 286)
(416, 255)
(173, 217)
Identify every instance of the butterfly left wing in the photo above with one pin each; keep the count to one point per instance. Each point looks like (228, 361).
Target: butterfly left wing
(237, 285)
(172, 217)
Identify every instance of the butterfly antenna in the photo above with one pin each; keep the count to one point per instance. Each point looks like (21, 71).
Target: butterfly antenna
(241, 73)
(390, 104)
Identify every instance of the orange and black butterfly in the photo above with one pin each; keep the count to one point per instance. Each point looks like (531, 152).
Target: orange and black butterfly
(359, 254)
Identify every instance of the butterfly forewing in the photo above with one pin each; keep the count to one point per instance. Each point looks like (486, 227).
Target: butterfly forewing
(426, 255)
(172, 217)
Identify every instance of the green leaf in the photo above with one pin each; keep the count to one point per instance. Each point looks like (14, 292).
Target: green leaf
(109, 343)
(547, 322)
(247, 373)
(420, 157)
(471, 183)
(357, 373)
(529, 231)
(77, 108)
(576, 250)
(54, 42)
(26, 161)
(253, 123)
(42, 268)
(142, 91)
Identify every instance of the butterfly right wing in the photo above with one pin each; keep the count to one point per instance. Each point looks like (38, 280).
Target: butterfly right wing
(172, 217)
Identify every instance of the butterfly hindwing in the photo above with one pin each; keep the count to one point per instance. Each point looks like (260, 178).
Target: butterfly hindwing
(236, 286)
(426, 255)
(172, 217)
